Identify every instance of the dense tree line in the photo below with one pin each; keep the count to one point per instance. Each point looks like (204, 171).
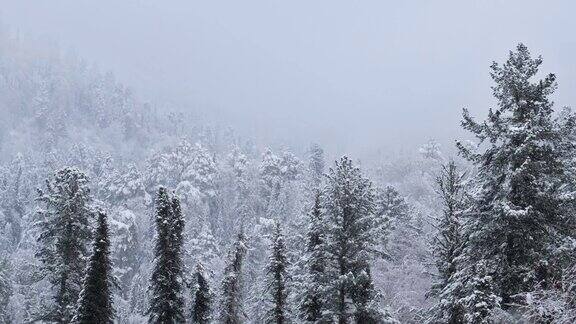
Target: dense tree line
(207, 227)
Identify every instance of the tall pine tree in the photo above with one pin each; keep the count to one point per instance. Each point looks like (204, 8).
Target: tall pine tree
(95, 302)
(313, 302)
(277, 277)
(231, 311)
(447, 245)
(167, 304)
(315, 165)
(349, 207)
(65, 233)
(394, 223)
(202, 306)
(518, 217)
(482, 300)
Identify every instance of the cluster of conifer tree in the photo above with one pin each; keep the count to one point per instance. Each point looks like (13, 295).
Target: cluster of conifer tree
(340, 240)
(505, 247)
(338, 280)
(143, 241)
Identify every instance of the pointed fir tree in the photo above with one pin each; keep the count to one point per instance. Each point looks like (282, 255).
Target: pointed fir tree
(394, 224)
(254, 276)
(65, 233)
(167, 303)
(449, 239)
(95, 304)
(231, 311)
(177, 235)
(277, 277)
(349, 207)
(447, 245)
(316, 165)
(313, 302)
(481, 300)
(270, 178)
(202, 305)
(518, 213)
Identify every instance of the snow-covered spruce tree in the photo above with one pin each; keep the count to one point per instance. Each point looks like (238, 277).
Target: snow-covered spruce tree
(203, 174)
(236, 194)
(482, 299)
(177, 233)
(394, 223)
(254, 275)
(202, 305)
(316, 165)
(349, 207)
(231, 311)
(290, 166)
(312, 302)
(277, 277)
(167, 303)
(447, 245)
(95, 304)
(12, 200)
(517, 217)
(270, 177)
(65, 233)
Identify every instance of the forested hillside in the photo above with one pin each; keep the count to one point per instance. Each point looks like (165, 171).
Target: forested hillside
(112, 208)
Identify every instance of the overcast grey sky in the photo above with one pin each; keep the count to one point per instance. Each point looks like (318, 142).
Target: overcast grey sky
(357, 74)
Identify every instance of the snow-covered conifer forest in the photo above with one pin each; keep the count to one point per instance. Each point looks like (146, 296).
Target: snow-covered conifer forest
(119, 209)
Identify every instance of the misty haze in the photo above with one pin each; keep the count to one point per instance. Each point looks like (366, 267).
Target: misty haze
(287, 162)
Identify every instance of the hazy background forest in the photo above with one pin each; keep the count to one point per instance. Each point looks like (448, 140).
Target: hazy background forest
(243, 111)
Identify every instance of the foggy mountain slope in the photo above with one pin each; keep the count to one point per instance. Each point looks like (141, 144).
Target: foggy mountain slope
(63, 112)
(395, 74)
(51, 101)
(116, 210)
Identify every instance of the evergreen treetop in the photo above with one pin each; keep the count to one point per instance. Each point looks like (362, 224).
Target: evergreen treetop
(518, 214)
(167, 303)
(231, 311)
(277, 271)
(202, 306)
(65, 233)
(95, 302)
